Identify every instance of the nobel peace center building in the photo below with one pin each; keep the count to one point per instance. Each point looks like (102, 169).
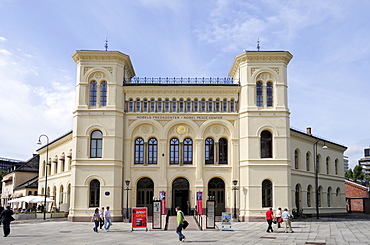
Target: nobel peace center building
(188, 140)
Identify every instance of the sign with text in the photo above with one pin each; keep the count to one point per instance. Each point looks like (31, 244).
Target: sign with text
(162, 198)
(139, 218)
(199, 202)
(157, 215)
(226, 221)
(210, 214)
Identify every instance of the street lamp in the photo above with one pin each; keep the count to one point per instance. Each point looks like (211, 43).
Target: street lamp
(235, 182)
(46, 168)
(127, 189)
(317, 176)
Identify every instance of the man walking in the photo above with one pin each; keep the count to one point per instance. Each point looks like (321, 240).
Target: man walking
(107, 219)
(180, 223)
(101, 213)
(269, 217)
(287, 220)
(6, 217)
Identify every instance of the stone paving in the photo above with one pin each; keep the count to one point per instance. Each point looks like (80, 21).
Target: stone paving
(309, 231)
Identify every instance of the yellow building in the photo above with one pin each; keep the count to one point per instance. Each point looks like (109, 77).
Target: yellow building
(224, 137)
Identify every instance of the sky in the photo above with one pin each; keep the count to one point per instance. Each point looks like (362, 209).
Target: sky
(327, 77)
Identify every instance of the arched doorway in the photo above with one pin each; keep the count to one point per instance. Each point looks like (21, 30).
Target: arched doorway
(216, 189)
(180, 195)
(145, 192)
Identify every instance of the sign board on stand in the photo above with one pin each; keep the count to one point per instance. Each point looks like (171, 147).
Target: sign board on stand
(157, 224)
(210, 214)
(139, 218)
(226, 221)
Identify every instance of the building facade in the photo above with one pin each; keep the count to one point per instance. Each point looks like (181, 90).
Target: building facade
(365, 162)
(226, 139)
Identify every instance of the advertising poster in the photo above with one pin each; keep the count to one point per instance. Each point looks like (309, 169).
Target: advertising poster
(210, 214)
(226, 221)
(162, 198)
(139, 218)
(157, 215)
(200, 202)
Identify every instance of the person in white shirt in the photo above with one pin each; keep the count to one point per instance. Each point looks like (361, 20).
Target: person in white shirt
(107, 219)
(279, 220)
(286, 218)
(101, 213)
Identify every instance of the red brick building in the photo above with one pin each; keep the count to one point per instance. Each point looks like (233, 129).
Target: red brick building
(357, 197)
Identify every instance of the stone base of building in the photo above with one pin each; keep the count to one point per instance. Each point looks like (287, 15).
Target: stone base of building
(88, 218)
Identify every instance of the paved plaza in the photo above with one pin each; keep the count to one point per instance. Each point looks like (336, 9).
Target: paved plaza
(349, 230)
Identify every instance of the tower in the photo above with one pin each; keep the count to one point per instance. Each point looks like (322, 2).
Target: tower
(98, 132)
(264, 130)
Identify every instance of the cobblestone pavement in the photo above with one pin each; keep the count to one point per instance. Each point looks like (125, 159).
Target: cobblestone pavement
(309, 231)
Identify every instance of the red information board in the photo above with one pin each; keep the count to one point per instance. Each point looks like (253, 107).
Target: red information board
(139, 218)
(162, 197)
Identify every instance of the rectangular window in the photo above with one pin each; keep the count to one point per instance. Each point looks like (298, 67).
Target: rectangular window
(188, 105)
(131, 106)
(195, 105)
(159, 105)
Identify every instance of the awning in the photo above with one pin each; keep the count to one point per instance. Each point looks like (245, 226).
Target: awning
(31, 199)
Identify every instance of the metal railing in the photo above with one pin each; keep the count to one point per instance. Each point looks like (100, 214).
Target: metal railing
(181, 80)
(198, 219)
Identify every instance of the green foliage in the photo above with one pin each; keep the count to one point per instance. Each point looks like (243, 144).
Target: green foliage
(348, 174)
(357, 172)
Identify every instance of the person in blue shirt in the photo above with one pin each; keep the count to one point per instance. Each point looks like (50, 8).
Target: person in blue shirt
(287, 220)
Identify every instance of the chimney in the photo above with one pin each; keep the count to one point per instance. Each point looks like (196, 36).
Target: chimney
(308, 130)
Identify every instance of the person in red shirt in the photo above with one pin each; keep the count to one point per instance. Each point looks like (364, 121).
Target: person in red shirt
(269, 218)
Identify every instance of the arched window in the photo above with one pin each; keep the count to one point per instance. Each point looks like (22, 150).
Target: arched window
(209, 151)
(224, 105)
(327, 164)
(266, 144)
(29, 193)
(103, 94)
(329, 197)
(188, 105)
(319, 196)
(195, 106)
(152, 151)
(174, 151)
(138, 105)
(222, 144)
(210, 105)
(188, 151)
(266, 193)
(203, 105)
(259, 94)
(131, 105)
(152, 105)
(217, 105)
(139, 151)
(93, 93)
(309, 191)
(94, 193)
(296, 159)
(181, 105)
(318, 162)
(232, 105)
(167, 105)
(145, 105)
(96, 144)
(308, 161)
(336, 166)
(159, 105)
(269, 94)
(174, 105)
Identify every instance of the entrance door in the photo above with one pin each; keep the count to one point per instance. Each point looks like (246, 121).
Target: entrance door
(216, 189)
(180, 195)
(145, 191)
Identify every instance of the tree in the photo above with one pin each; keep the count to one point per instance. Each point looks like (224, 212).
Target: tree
(348, 174)
(357, 172)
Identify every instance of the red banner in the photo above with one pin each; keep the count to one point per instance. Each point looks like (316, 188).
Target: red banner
(199, 202)
(139, 217)
(162, 197)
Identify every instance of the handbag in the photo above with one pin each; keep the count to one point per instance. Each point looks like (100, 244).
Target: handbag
(185, 224)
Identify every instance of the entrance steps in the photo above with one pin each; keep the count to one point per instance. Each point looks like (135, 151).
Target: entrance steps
(172, 223)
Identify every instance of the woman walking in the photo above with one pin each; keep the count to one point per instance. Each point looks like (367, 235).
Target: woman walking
(96, 219)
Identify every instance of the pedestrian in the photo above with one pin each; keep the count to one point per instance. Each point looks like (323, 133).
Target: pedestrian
(6, 217)
(278, 218)
(180, 223)
(287, 217)
(269, 218)
(107, 219)
(101, 217)
(96, 219)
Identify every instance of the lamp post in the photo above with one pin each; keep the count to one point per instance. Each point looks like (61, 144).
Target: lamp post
(317, 176)
(235, 182)
(46, 168)
(127, 189)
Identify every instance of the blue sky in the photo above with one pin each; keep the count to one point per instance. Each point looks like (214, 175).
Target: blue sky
(327, 77)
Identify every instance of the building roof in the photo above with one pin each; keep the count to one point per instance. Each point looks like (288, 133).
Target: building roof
(32, 183)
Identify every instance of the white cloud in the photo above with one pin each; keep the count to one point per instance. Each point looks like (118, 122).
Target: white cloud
(2, 39)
